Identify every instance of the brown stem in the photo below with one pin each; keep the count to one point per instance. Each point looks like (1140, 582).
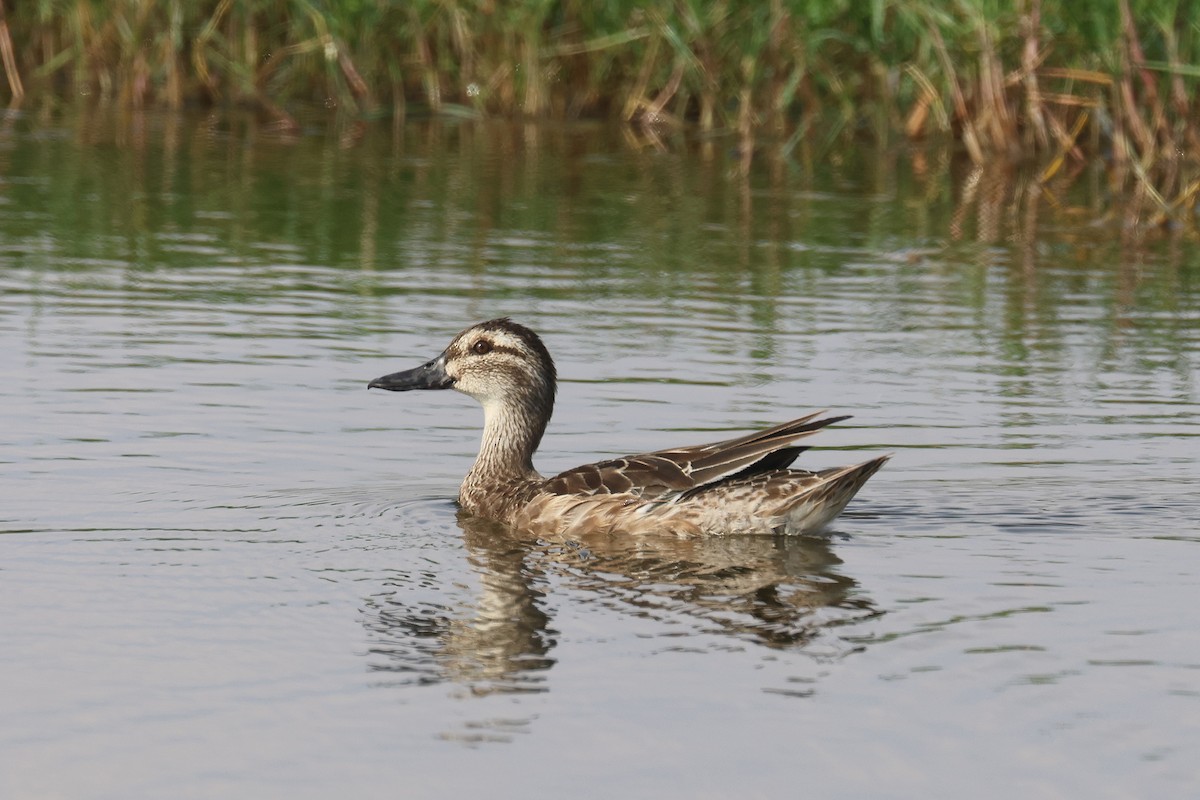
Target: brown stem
(10, 61)
(1029, 61)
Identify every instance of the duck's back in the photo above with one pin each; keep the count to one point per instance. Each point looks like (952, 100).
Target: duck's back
(739, 485)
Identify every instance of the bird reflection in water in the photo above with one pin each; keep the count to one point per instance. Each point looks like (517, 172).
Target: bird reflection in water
(782, 592)
(497, 640)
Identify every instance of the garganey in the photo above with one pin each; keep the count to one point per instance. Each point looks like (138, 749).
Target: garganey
(737, 486)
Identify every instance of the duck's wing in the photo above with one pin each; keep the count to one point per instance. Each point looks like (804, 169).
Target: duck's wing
(652, 475)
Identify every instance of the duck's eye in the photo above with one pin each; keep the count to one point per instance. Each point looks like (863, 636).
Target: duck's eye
(482, 347)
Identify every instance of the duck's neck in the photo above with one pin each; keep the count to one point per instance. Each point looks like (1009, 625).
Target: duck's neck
(511, 434)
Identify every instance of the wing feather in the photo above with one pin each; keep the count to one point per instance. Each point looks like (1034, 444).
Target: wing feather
(653, 475)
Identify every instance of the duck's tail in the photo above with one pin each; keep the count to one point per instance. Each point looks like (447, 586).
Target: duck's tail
(813, 509)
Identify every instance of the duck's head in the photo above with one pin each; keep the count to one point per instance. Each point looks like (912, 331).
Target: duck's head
(498, 362)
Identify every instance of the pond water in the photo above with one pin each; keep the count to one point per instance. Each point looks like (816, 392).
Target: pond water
(226, 569)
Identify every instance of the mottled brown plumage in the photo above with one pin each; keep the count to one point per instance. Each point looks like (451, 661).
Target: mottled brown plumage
(740, 485)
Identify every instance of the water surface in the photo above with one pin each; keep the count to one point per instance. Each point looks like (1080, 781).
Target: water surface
(227, 569)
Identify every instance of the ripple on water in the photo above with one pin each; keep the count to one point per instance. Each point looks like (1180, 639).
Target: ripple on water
(216, 542)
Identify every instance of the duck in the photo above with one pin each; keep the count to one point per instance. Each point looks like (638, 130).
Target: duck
(743, 485)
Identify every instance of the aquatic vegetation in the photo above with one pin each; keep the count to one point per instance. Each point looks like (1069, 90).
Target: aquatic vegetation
(1010, 81)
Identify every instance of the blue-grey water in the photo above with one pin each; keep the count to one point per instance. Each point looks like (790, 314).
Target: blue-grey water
(226, 569)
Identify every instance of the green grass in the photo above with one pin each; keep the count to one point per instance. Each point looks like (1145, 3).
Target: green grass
(1060, 82)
